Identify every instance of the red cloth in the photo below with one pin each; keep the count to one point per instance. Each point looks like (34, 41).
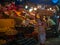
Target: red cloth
(58, 20)
(13, 6)
(1, 16)
(11, 36)
(0, 10)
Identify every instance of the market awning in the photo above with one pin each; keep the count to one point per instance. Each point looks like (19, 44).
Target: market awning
(50, 2)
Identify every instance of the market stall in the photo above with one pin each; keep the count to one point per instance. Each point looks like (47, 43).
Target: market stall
(24, 21)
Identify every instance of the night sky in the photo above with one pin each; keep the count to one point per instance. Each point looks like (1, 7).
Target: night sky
(37, 2)
(43, 2)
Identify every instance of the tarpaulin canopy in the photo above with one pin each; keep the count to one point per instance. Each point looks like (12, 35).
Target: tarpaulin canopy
(50, 2)
(17, 2)
(59, 2)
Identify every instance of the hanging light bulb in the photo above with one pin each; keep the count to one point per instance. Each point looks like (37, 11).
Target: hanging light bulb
(35, 8)
(31, 9)
(50, 8)
(26, 7)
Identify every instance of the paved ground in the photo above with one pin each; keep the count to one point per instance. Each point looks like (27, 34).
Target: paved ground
(53, 41)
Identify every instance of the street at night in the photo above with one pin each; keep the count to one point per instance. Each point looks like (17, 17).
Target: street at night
(53, 41)
(29, 22)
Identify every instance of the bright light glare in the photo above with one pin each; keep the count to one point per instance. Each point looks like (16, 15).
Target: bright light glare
(30, 10)
(50, 8)
(26, 6)
(35, 8)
